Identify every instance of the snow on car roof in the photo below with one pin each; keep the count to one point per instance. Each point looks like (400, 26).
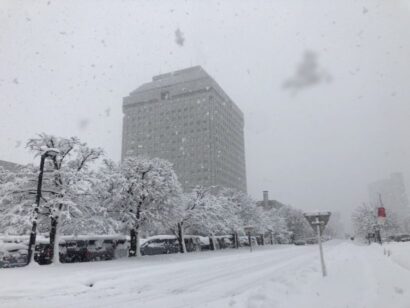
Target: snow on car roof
(161, 237)
(11, 246)
(93, 237)
(173, 237)
(41, 239)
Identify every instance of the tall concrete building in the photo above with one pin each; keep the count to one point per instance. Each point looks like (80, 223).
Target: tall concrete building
(186, 118)
(393, 194)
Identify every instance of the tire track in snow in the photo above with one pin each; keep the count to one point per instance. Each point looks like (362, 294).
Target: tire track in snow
(222, 277)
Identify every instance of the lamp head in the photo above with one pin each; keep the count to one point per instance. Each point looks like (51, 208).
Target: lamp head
(49, 152)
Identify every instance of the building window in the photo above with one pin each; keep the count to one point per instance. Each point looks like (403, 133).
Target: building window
(165, 95)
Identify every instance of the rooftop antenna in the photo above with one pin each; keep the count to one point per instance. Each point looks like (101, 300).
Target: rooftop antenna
(380, 200)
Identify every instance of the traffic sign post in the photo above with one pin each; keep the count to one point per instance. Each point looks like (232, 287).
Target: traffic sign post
(381, 219)
(318, 221)
(381, 215)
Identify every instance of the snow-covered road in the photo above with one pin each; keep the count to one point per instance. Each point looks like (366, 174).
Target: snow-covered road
(280, 276)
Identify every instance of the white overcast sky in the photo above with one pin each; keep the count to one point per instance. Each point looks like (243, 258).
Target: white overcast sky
(66, 65)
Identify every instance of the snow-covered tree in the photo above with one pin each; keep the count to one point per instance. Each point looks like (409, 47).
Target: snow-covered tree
(250, 214)
(214, 217)
(107, 192)
(201, 211)
(142, 192)
(334, 227)
(17, 191)
(242, 210)
(364, 219)
(190, 211)
(296, 223)
(214, 211)
(276, 226)
(66, 183)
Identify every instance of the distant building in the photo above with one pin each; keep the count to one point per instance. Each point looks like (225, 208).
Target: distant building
(267, 204)
(392, 192)
(9, 165)
(186, 118)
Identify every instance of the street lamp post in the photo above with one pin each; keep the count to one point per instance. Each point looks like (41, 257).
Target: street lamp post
(48, 152)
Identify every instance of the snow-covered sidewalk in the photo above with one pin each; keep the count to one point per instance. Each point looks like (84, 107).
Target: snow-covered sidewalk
(279, 276)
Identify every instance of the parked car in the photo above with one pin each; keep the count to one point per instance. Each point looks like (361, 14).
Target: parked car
(311, 241)
(96, 248)
(244, 241)
(83, 249)
(42, 254)
(166, 244)
(70, 251)
(300, 242)
(160, 246)
(13, 255)
(402, 238)
(205, 243)
(193, 243)
(225, 241)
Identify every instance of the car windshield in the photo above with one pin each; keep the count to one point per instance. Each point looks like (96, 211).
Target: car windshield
(185, 153)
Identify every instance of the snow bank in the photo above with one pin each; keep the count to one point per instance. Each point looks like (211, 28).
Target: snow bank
(399, 253)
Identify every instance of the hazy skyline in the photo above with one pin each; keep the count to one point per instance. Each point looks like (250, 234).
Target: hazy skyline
(66, 65)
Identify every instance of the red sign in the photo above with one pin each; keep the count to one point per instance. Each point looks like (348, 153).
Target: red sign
(381, 212)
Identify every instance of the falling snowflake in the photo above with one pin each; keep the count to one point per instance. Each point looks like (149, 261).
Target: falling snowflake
(83, 123)
(308, 73)
(179, 37)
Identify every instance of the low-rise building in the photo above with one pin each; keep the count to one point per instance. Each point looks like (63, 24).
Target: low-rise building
(267, 204)
(9, 166)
